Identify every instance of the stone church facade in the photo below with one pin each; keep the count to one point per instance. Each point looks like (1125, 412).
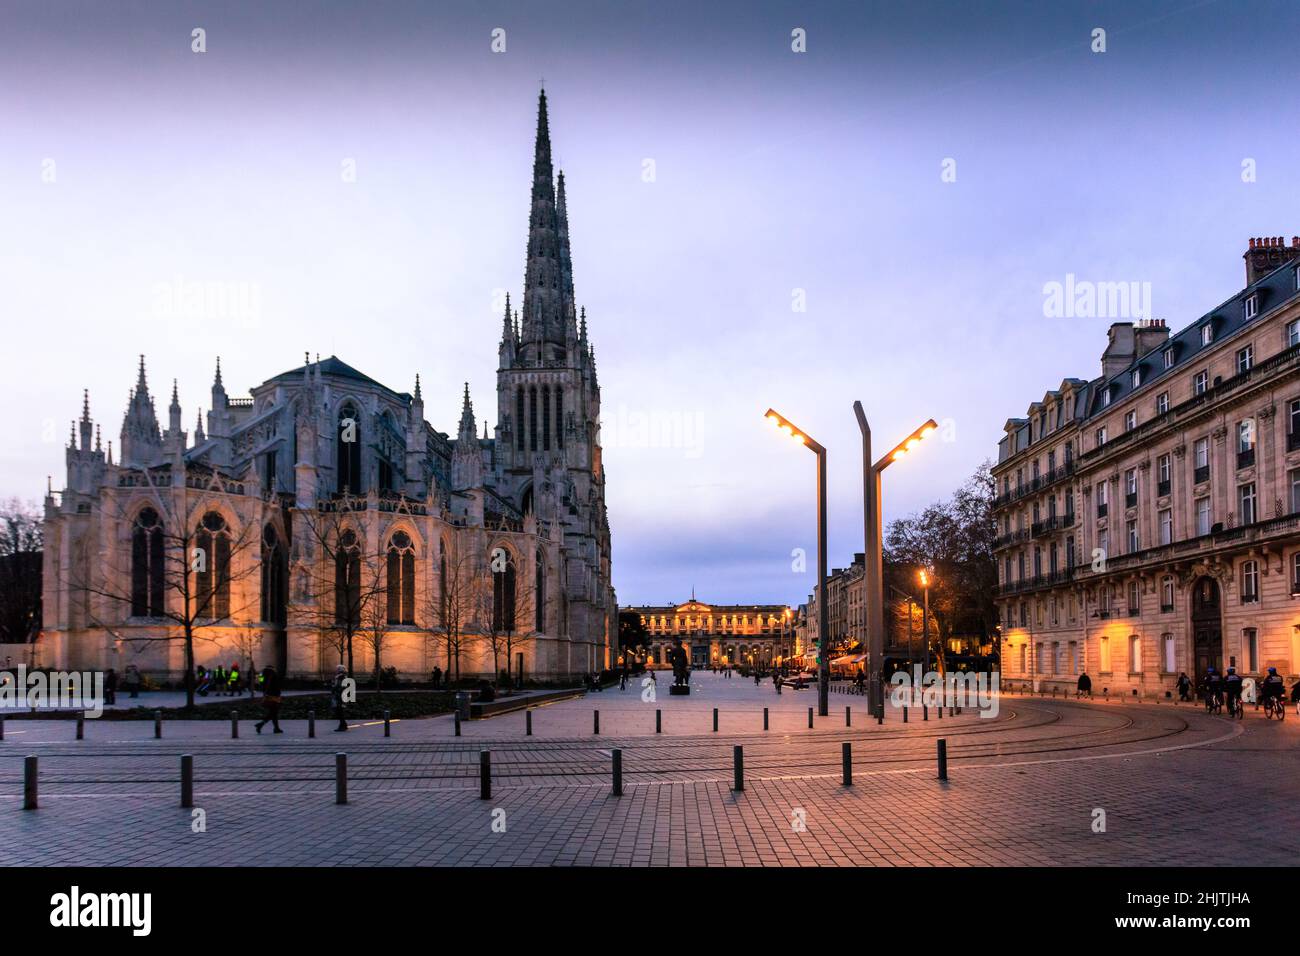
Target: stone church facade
(323, 520)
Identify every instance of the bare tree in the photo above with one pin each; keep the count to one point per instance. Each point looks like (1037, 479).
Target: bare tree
(454, 607)
(511, 614)
(20, 571)
(339, 580)
(184, 572)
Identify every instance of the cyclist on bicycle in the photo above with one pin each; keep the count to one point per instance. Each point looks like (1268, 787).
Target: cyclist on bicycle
(1271, 685)
(1213, 687)
(1232, 689)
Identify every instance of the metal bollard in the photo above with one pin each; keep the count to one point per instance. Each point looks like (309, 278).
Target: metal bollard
(528, 721)
(715, 720)
(618, 773)
(848, 716)
(738, 764)
(904, 713)
(943, 759)
(595, 725)
(340, 778)
(659, 721)
(940, 710)
(311, 723)
(234, 724)
(846, 757)
(29, 782)
(925, 711)
(485, 775)
(157, 724)
(387, 729)
(2, 728)
(81, 725)
(187, 780)
(765, 718)
(457, 714)
(810, 723)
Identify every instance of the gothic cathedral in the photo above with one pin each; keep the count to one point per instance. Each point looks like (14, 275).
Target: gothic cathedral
(322, 520)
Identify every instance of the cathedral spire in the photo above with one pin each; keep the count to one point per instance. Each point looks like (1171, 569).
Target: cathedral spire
(543, 304)
(418, 396)
(467, 430)
(140, 384)
(216, 382)
(566, 261)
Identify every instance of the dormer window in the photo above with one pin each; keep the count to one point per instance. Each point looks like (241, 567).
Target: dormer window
(1252, 305)
(1169, 358)
(1137, 377)
(1105, 398)
(1207, 333)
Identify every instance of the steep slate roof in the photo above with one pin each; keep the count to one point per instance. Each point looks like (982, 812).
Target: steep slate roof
(334, 366)
(1226, 319)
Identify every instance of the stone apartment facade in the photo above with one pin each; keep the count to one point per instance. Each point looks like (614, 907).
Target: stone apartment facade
(719, 635)
(1149, 519)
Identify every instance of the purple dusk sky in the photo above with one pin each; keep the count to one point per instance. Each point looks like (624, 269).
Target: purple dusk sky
(775, 171)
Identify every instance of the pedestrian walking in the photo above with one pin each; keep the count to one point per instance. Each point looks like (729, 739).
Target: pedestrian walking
(336, 696)
(437, 677)
(1184, 686)
(110, 686)
(132, 680)
(271, 700)
(1084, 688)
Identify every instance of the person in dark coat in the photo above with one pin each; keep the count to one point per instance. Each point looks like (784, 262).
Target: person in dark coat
(336, 696)
(110, 686)
(1084, 687)
(132, 680)
(1184, 686)
(437, 677)
(270, 700)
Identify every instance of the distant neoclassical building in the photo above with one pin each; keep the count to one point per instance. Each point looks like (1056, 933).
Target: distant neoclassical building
(324, 514)
(720, 634)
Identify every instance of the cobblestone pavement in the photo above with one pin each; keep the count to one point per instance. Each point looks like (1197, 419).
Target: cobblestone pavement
(1024, 787)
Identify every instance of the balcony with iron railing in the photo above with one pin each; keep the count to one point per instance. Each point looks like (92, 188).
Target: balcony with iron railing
(1036, 484)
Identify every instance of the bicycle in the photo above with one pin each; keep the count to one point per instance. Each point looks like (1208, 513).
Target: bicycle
(1274, 707)
(1236, 707)
(1214, 703)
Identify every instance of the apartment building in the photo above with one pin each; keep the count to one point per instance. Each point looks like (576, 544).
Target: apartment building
(1149, 518)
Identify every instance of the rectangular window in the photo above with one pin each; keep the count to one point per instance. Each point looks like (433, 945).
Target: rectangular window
(1130, 488)
(1295, 573)
(1202, 516)
(1170, 661)
(1293, 327)
(1200, 382)
(1103, 652)
(1135, 654)
(1101, 500)
(1293, 479)
(1207, 334)
(1132, 536)
(1249, 582)
(1130, 421)
(1246, 504)
(1252, 305)
(1167, 595)
(1169, 358)
(1250, 646)
(1024, 654)
(1245, 358)
(1134, 598)
(1201, 460)
(1167, 526)
(1164, 474)
(1293, 424)
(1162, 403)
(1100, 436)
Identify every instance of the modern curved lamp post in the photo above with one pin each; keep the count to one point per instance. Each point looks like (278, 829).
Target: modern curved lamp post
(823, 640)
(875, 596)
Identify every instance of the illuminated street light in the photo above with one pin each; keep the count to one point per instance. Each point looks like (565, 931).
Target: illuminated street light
(871, 495)
(823, 624)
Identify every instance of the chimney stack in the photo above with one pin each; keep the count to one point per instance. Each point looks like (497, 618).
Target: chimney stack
(1267, 253)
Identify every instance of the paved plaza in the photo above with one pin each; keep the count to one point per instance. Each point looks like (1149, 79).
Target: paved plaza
(1027, 787)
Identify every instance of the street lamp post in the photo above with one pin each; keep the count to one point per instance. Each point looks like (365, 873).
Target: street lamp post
(823, 628)
(925, 619)
(874, 558)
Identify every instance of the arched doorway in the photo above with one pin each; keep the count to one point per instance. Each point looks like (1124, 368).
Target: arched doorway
(1207, 626)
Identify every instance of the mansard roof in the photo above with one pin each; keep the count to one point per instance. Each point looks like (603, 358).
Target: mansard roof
(1225, 320)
